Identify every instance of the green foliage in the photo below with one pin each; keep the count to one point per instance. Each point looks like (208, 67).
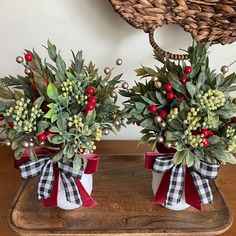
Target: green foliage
(203, 102)
(53, 100)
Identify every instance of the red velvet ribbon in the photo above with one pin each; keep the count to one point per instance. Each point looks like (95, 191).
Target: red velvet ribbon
(91, 168)
(190, 191)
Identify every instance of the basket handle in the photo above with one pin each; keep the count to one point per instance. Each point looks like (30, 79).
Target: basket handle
(167, 54)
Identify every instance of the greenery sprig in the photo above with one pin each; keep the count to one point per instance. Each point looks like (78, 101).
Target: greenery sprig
(187, 107)
(58, 106)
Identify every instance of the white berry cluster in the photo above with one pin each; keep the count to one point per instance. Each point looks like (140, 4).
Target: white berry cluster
(192, 120)
(195, 140)
(24, 116)
(73, 89)
(231, 139)
(212, 99)
(173, 113)
(84, 130)
(210, 123)
(76, 121)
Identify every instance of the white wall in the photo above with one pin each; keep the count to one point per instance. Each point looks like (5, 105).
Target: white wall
(90, 25)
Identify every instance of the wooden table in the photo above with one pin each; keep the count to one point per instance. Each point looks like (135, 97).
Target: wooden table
(225, 180)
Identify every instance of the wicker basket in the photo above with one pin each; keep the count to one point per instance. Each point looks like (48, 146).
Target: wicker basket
(207, 20)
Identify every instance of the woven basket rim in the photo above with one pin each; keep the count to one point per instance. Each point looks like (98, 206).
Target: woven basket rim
(208, 21)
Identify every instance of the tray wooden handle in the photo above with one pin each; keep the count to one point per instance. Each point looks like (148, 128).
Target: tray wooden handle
(173, 56)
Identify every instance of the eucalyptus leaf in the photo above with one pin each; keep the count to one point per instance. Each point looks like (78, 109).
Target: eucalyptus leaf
(32, 155)
(52, 91)
(58, 156)
(179, 157)
(18, 152)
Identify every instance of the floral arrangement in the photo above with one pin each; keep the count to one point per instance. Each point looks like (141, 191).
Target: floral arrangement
(186, 107)
(58, 106)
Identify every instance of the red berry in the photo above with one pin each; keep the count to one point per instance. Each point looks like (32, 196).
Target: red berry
(90, 107)
(35, 97)
(34, 88)
(233, 119)
(226, 125)
(168, 87)
(46, 81)
(42, 137)
(205, 142)
(180, 96)
(211, 133)
(163, 114)
(47, 133)
(90, 90)
(138, 123)
(92, 100)
(28, 57)
(183, 80)
(45, 107)
(188, 70)
(1, 117)
(170, 96)
(153, 108)
(11, 124)
(195, 133)
(205, 132)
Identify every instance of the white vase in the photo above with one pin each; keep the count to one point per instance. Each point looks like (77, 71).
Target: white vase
(87, 182)
(156, 180)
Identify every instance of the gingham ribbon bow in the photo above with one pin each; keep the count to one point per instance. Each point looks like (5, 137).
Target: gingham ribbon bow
(178, 178)
(176, 187)
(44, 167)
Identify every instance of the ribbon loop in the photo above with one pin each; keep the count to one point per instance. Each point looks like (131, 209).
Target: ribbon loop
(68, 169)
(207, 170)
(162, 164)
(32, 169)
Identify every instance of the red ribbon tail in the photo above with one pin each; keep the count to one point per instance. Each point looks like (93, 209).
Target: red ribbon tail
(161, 194)
(191, 194)
(86, 198)
(52, 200)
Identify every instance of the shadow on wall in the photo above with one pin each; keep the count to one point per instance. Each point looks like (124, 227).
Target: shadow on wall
(106, 25)
(103, 20)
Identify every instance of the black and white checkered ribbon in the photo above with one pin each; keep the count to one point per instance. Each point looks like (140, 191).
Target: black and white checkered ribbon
(44, 167)
(200, 177)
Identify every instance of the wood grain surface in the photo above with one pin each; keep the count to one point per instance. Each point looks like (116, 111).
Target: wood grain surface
(122, 189)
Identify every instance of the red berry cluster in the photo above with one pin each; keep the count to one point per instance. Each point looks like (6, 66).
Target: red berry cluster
(1, 117)
(92, 100)
(42, 137)
(153, 108)
(207, 133)
(11, 124)
(170, 95)
(162, 113)
(187, 71)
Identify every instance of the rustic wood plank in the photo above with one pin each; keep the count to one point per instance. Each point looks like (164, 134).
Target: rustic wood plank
(10, 181)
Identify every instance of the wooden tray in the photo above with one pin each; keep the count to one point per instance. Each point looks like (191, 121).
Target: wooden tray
(122, 189)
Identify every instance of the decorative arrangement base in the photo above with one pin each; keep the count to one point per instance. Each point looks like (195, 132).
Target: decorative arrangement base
(156, 180)
(63, 203)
